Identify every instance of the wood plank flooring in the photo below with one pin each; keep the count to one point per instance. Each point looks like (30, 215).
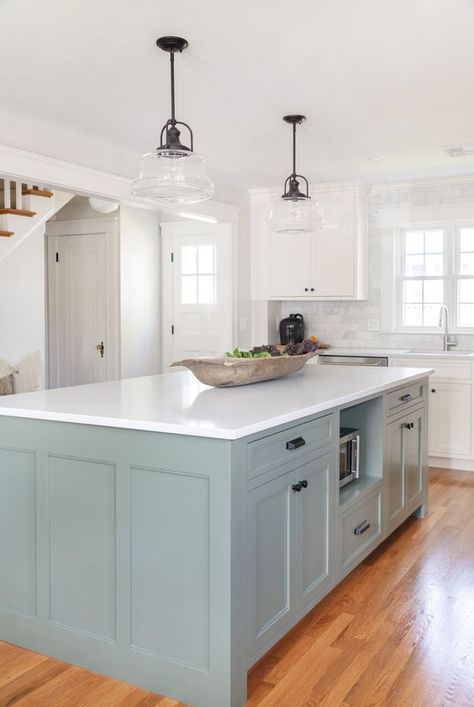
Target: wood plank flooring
(398, 631)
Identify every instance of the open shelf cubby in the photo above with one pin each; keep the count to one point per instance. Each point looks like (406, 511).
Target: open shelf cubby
(368, 418)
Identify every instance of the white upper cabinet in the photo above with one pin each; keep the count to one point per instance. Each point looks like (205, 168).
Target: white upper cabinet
(328, 264)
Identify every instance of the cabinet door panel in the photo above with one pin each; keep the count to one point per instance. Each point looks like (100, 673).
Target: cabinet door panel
(314, 532)
(290, 265)
(450, 419)
(269, 532)
(413, 457)
(335, 245)
(394, 471)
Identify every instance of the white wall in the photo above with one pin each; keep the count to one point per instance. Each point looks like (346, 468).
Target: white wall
(140, 307)
(22, 300)
(344, 324)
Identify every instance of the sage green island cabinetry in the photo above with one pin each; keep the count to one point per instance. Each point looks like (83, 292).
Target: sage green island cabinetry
(168, 534)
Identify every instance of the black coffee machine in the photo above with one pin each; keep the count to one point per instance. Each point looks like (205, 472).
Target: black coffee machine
(292, 329)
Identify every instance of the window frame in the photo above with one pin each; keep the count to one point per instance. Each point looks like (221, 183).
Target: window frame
(451, 261)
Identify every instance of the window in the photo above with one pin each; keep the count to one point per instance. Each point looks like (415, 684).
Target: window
(198, 274)
(435, 267)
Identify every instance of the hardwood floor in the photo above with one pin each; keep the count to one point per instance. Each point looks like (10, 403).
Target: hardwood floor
(398, 631)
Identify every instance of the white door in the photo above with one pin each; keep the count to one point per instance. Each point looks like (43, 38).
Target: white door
(82, 307)
(197, 290)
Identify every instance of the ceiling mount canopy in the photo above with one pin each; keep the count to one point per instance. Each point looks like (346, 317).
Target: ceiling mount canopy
(173, 173)
(293, 212)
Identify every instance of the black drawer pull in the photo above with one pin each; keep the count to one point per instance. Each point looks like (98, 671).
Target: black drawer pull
(405, 398)
(362, 527)
(295, 443)
(304, 484)
(296, 488)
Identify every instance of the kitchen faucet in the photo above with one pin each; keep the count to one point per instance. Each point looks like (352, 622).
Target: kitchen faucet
(449, 342)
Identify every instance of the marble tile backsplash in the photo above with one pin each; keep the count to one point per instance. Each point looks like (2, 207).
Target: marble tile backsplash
(344, 324)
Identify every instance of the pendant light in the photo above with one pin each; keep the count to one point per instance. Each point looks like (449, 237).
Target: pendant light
(173, 173)
(293, 212)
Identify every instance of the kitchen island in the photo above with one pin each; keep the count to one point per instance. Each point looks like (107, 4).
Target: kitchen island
(168, 534)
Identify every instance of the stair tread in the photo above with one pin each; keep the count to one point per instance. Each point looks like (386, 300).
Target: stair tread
(37, 192)
(6, 234)
(18, 212)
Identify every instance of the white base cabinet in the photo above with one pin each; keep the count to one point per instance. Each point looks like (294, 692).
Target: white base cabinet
(450, 434)
(450, 419)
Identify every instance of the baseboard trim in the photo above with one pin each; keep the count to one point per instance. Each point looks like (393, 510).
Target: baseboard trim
(461, 464)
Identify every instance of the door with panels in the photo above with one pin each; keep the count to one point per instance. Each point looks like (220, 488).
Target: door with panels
(198, 302)
(270, 558)
(289, 547)
(404, 465)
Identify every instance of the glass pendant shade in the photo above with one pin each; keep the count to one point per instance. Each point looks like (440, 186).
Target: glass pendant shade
(294, 212)
(293, 216)
(173, 179)
(173, 173)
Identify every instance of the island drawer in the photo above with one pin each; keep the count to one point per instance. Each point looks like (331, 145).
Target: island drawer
(404, 397)
(360, 528)
(295, 442)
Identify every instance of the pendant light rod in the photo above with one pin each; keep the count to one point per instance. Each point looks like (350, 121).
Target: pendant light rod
(173, 109)
(294, 149)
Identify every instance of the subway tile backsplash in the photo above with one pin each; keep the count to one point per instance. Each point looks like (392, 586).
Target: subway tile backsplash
(344, 324)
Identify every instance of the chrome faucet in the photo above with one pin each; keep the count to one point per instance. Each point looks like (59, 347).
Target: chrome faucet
(449, 342)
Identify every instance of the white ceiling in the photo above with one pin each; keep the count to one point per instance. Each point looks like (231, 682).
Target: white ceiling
(376, 78)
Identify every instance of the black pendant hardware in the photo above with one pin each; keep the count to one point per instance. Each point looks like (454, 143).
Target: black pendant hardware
(170, 143)
(291, 189)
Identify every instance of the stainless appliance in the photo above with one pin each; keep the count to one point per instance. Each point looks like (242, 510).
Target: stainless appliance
(349, 448)
(348, 360)
(292, 329)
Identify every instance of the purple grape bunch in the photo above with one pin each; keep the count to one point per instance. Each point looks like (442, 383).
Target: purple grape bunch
(303, 347)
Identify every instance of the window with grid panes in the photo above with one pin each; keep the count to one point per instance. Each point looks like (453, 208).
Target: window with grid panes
(435, 267)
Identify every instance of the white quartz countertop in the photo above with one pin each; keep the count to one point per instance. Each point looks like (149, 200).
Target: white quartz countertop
(396, 353)
(177, 403)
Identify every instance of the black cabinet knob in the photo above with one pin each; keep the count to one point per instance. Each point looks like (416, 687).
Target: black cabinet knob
(296, 488)
(312, 289)
(433, 390)
(304, 484)
(306, 289)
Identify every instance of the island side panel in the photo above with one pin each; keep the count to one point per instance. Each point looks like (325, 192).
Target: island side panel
(116, 553)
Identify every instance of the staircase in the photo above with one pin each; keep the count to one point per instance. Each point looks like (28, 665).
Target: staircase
(22, 208)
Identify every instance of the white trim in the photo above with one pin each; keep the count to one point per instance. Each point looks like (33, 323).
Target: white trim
(452, 463)
(68, 176)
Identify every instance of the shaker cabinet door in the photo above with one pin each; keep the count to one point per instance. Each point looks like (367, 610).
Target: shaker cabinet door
(335, 246)
(394, 472)
(290, 263)
(314, 534)
(413, 450)
(269, 559)
(450, 419)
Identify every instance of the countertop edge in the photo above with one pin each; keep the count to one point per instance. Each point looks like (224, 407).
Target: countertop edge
(222, 433)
